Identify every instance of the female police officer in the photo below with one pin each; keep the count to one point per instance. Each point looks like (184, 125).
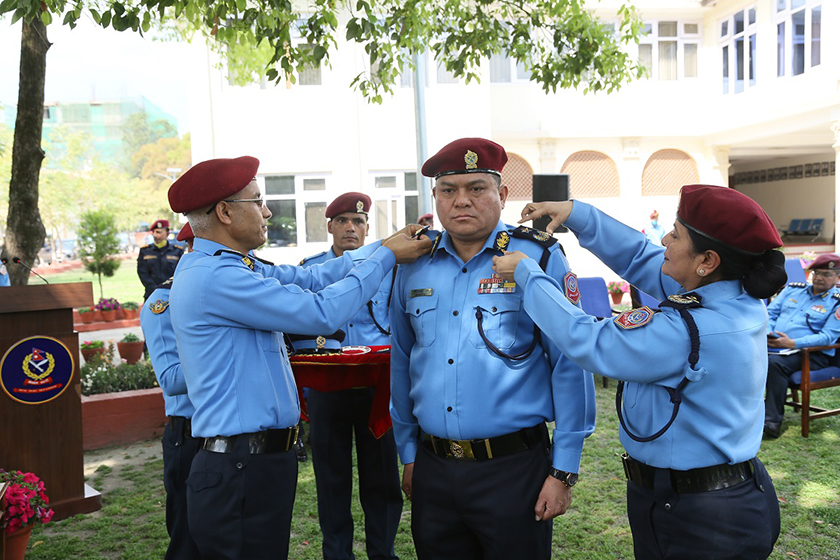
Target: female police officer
(692, 412)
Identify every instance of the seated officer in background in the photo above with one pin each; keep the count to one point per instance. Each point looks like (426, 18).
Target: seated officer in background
(157, 261)
(229, 311)
(179, 447)
(336, 417)
(801, 315)
(473, 382)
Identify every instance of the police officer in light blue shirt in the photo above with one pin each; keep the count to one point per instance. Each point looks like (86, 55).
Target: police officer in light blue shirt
(336, 418)
(473, 381)
(801, 315)
(229, 311)
(692, 376)
(179, 447)
(4, 275)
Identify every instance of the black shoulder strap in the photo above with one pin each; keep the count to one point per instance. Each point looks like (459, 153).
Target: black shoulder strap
(370, 304)
(682, 303)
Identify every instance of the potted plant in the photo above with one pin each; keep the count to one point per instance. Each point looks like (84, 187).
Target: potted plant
(91, 348)
(108, 307)
(27, 503)
(131, 309)
(131, 348)
(617, 290)
(86, 314)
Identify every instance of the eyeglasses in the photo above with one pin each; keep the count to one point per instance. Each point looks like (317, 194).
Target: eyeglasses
(258, 201)
(823, 273)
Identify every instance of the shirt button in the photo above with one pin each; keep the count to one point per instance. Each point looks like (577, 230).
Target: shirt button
(493, 309)
(351, 324)
(667, 507)
(448, 409)
(451, 361)
(455, 312)
(238, 465)
(464, 270)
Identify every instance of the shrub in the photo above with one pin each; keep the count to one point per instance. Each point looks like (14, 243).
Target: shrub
(108, 304)
(131, 337)
(130, 305)
(91, 344)
(620, 287)
(102, 376)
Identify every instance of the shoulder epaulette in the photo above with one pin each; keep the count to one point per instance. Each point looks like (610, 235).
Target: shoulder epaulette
(305, 259)
(146, 246)
(435, 242)
(543, 238)
(836, 295)
(166, 284)
(797, 284)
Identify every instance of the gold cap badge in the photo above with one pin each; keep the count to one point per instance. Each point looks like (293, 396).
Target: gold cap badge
(471, 159)
(360, 207)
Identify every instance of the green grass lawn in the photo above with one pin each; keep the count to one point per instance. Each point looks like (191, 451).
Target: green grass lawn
(806, 474)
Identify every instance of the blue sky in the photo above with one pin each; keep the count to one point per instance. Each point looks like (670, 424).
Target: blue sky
(90, 63)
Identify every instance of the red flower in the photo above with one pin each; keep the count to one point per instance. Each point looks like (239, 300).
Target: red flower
(26, 501)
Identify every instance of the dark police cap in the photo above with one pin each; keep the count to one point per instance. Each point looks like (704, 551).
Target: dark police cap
(354, 202)
(210, 181)
(310, 344)
(186, 233)
(160, 224)
(466, 155)
(828, 261)
(728, 217)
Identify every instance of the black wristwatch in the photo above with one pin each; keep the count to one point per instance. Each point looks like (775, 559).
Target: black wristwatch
(567, 478)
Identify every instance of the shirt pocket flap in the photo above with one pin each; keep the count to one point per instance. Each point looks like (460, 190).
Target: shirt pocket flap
(495, 305)
(419, 305)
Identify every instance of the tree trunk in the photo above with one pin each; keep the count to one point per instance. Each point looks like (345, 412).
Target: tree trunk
(25, 232)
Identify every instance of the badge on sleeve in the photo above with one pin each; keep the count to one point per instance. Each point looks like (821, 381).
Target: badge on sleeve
(159, 306)
(634, 318)
(837, 314)
(570, 282)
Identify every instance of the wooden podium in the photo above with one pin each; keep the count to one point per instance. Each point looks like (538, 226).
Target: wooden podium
(45, 438)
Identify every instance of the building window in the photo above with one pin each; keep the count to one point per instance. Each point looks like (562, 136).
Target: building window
(666, 171)
(738, 49)
(297, 206)
(591, 175)
(394, 201)
(504, 69)
(316, 223)
(669, 49)
(519, 178)
(798, 36)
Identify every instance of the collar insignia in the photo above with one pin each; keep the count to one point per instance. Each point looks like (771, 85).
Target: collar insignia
(471, 159)
(684, 299)
(159, 306)
(435, 245)
(502, 241)
(634, 318)
(248, 262)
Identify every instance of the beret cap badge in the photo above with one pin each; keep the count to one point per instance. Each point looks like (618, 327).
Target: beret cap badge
(471, 159)
(360, 206)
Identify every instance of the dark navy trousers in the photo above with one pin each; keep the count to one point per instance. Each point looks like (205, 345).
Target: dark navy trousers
(737, 523)
(178, 454)
(779, 370)
(336, 419)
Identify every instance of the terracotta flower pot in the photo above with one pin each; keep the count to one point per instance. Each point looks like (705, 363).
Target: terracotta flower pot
(87, 317)
(130, 313)
(88, 353)
(97, 316)
(131, 352)
(120, 314)
(109, 316)
(17, 542)
(616, 298)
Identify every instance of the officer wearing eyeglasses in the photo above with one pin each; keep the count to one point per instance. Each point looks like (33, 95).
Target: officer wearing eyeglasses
(801, 315)
(473, 381)
(229, 312)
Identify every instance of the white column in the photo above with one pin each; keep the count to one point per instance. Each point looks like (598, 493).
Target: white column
(835, 128)
(721, 165)
(548, 156)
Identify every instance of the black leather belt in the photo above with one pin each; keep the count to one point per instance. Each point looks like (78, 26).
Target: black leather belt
(705, 479)
(482, 449)
(268, 441)
(185, 427)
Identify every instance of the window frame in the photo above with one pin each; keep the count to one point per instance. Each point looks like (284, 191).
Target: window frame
(785, 16)
(681, 39)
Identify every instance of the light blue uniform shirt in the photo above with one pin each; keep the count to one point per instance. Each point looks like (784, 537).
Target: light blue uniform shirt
(810, 320)
(229, 319)
(722, 413)
(361, 330)
(445, 380)
(4, 276)
(156, 322)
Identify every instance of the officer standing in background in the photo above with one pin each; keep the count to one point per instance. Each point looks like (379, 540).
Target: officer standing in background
(229, 311)
(179, 447)
(655, 232)
(473, 382)
(335, 416)
(801, 315)
(157, 261)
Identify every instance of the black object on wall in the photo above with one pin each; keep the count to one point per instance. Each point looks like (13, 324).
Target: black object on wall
(550, 187)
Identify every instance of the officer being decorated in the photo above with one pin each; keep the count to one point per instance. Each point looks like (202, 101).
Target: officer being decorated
(473, 381)
(229, 311)
(336, 418)
(691, 377)
(179, 447)
(801, 315)
(157, 261)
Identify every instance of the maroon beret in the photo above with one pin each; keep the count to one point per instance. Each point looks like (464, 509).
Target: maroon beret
(210, 181)
(425, 217)
(354, 202)
(828, 261)
(186, 233)
(160, 224)
(467, 155)
(654, 215)
(728, 217)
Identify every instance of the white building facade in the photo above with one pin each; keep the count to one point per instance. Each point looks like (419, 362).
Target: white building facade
(744, 93)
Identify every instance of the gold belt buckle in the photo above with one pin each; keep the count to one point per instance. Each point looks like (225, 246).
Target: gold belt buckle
(461, 449)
